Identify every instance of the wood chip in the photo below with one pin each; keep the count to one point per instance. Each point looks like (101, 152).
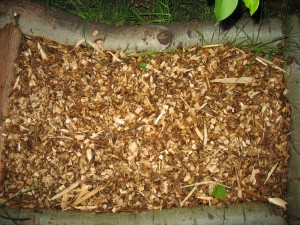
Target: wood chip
(240, 80)
(278, 201)
(270, 173)
(86, 197)
(67, 190)
(42, 53)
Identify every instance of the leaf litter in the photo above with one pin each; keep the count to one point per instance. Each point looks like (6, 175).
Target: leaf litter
(104, 134)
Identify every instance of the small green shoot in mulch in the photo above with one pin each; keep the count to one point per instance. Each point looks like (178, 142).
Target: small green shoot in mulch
(143, 65)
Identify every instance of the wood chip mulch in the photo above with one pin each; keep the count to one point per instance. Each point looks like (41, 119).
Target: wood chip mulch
(104, 131)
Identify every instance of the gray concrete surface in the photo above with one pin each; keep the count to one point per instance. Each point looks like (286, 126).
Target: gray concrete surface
(293, 83)
(242, 214)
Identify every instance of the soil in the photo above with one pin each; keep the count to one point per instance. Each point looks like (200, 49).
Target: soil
(91, 129)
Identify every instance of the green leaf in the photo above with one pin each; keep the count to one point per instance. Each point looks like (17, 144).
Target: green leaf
(219, 192)
(143, 65)
(252, 5)
(224, 8)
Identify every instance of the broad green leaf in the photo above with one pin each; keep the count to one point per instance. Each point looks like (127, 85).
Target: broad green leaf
(252, 5)
(224, 8)
(219, 192)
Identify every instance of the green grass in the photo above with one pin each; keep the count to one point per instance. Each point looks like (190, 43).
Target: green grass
(103, 11)
(120, 12)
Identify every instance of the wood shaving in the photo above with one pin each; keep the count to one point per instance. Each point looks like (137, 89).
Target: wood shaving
(270, 173)
(43, 54)
(241, 80)
(278, 201)
(66, 191)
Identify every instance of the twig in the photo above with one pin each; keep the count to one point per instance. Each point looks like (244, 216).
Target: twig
(267, 62)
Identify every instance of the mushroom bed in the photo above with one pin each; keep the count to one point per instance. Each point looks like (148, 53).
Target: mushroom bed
(105, 131)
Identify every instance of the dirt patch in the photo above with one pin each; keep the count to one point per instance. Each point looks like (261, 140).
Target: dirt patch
(103, 131)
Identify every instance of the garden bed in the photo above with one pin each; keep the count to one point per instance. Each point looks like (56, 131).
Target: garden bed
(105, 131)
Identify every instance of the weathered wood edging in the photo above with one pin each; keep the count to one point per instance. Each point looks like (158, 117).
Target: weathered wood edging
(36, 19)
